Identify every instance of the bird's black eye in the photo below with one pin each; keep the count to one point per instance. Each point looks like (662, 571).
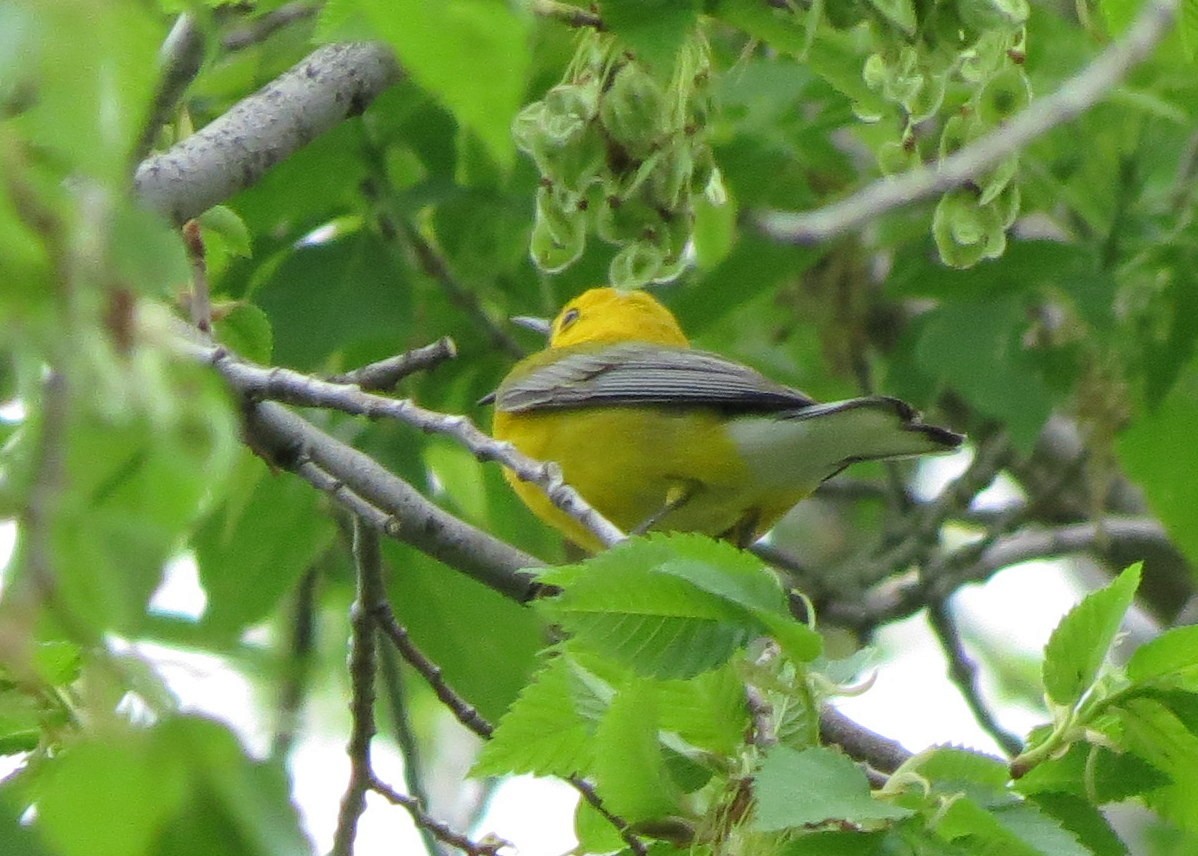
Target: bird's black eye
(568, 318)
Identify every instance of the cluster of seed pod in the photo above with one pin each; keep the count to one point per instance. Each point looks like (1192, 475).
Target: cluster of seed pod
(962, 60)
(621, 155)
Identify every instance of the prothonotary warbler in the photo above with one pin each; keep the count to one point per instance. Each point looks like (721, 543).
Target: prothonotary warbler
(659, 436)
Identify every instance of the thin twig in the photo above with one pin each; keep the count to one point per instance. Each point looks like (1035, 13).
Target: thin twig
(180, 59)
(405, 736)
(1074, 97)
(292, 387)
(200, 299)
(592, 796)
(859, 742)
(440, 831)
(388, 503)
(398, 230)
(963, 672)
(964, 566)
(362, 667)
(262, 28)
(992, 455)
(462, 710)
(298, 666)
(384, 375)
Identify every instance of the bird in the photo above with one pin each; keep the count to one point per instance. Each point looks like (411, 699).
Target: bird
(659, 436)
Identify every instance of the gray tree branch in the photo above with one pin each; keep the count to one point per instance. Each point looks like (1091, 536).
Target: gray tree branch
(1074, 97)
(233, 151)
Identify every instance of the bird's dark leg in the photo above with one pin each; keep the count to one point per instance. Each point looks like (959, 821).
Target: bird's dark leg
(744, 532)
(675, 499)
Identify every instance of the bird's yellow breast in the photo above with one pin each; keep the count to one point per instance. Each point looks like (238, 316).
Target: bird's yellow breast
(631, 462)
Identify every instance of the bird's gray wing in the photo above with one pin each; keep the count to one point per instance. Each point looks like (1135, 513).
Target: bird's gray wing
(638, 373)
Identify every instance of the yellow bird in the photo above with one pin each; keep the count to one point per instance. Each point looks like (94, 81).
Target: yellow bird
(659, 436)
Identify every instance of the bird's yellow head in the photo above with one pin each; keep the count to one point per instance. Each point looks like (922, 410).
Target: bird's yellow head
(610, 315)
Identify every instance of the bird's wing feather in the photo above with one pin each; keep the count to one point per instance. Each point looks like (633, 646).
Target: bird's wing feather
(637, 373)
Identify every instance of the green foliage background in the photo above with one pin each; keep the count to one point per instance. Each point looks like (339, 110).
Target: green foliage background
(120, 455)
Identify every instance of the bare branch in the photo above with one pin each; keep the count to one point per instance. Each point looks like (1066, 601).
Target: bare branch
(859, 742)
(292, 387)
(588, 792)
(439, 830)
(262, 28)
(924, 528)
(963, 672)
(462, 710)
(386, 502)
(181, 57)
(233, 151)
(298, 665)
(893, 602)
(405, 735)
(386, 374)
(200, 299)
(362, 669)
(1074, 97)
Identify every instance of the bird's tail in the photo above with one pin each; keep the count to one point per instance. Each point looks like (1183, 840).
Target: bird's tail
(807, 445)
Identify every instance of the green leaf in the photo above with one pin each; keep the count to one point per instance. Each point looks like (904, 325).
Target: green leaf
(794, 789)
(245, 330)
(542, 733)
(1170, 660)
(1153, 732)
(1188, 28)
(714, 231)
(1083, 820)
(595, 833)
(708, 711)
(224, 221)
(235, 805)
(1156, 455)
(485, 644)
(95, 67)
(1015, 828)
(16, 837)
(975, 347)
(1093, 773)
(946, 764)
(21, 722)
(306, 295)
(1079, 644)
(140, 475)
(900, 13)
(110, 797)
(472, 54)
(652, 29)
(621, 605)
(628, 766)
(254, 549)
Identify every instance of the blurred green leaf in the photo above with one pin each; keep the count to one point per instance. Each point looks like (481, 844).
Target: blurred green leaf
(652, 29)
(975, 347)
(1155, 453)
(324, 297)
(471, 54)
(253, 550)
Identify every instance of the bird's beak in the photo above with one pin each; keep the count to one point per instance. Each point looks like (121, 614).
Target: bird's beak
(537, 325)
